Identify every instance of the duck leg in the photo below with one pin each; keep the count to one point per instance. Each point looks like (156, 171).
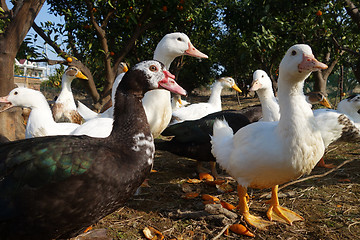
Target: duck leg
(278, 213)
(213, 169)
(322, 163)
(200, 168)
(244, 210)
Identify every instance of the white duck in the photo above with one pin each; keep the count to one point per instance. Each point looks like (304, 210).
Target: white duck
(277, 152)
(199, 110)
(40, 122)
(177, 102)
(331, 125)
(351, 107)
(262, 85)
(88, 114)
(341, 124)
(157, 103)
(64, 108)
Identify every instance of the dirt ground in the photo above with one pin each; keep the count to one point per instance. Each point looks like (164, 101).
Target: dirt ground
(328, 201)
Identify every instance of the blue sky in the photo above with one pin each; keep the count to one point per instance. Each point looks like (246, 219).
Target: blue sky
(43, 16)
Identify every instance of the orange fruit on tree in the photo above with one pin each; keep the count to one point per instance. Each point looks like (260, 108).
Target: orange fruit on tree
(164, 8)
(180, 8)
(319, 13)
(112, 53)
(69, 59)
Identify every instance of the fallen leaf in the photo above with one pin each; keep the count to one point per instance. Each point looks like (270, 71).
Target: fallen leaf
(207, 197)
(241, 229)
(215, 182)
(194, 180)
(344, 180)
(206, 176)
(227, 206)
(226, 233)
(338, 206)
(145, 183)
(152, 233)
(88, 229)
(190, 195)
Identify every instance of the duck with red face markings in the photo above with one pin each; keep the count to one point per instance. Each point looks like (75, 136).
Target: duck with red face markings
(55, 187)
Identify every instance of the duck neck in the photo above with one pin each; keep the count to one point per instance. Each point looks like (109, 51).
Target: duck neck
(66, 92)
(215, 97)
(41, 112)
(129, 118)
(269, 105)
(350, 111)
(296, 113)
(166, 59)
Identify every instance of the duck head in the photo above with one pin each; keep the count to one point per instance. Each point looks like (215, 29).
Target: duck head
(22, 97)
(149, 75)
(299, 62)
(173, 45)
(260, 81)
(317, 97)
(73, 72)
(230, 83)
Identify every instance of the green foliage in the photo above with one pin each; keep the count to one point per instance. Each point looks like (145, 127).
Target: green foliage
(55, 79)
(238, 36)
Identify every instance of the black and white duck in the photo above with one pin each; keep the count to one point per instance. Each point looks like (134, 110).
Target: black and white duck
(54, 187)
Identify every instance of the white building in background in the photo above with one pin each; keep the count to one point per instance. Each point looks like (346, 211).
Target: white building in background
(32, 74)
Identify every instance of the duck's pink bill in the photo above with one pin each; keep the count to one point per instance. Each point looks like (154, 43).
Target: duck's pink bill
(192, 51)
(169, 83)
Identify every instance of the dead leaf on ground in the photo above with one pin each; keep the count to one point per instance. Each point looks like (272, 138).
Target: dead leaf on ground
(206, 176)
(152, 233)
(241, 229)
(193, 180)
(227, 206)
(190, 195)
(207, 197)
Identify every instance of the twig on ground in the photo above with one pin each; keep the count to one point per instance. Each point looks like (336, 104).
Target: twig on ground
(313, 176)
(221, 232)
(317, 175)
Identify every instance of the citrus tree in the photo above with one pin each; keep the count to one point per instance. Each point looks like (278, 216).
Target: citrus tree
(98, 35)
(15, 23)
(257, 33)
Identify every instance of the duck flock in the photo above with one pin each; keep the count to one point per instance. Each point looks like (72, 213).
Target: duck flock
(77, 166)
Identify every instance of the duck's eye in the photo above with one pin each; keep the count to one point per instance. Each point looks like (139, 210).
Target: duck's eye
(179, 39)
(15, 93)
(293, 53)
(262, 76)
(153, 68)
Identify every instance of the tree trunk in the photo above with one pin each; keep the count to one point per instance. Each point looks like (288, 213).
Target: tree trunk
(320, 83)
(10, 41)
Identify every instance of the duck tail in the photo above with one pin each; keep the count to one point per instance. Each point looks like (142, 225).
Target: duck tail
(86, 112)
(222, 141)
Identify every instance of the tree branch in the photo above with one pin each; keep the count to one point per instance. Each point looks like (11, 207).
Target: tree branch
(353, 11)
(4, 6)
(340, 47)
(48, 40)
